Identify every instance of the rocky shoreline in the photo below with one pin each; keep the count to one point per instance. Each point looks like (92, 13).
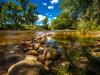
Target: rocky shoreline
(35, 55)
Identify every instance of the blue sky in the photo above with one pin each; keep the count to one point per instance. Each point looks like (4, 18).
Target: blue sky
(49, 8)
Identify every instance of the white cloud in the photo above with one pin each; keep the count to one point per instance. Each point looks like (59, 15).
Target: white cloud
(51, 7)
(51, 15)
(45, 4)
(54, 1)
(54, 17)
(41, 17)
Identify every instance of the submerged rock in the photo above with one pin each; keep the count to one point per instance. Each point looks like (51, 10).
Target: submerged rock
(26, 68)
(32, 52)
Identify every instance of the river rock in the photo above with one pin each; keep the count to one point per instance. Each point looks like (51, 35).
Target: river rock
(28, 42)
(32, 52)
(26, 68)
(36, 46)
(48, 55)
(31, 58)
(41, 58)
(46, 68)
(48, 63)
(55, 54)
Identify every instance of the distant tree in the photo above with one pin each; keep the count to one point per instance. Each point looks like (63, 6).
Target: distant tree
(45, 22)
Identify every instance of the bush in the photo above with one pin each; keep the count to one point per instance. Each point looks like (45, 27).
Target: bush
(84, 26)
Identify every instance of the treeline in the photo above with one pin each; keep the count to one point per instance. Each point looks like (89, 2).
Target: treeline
(78, 14)
(13, 15)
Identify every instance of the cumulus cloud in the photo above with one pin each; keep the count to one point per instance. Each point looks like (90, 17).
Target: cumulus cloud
(45, 4)
(51, 7)
(51, 15)
(54, 17)
(54, 1)
(41, 17)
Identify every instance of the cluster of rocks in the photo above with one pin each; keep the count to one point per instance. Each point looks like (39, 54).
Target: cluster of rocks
(36, 52)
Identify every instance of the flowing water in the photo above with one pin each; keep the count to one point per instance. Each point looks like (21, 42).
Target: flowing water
(76, 47)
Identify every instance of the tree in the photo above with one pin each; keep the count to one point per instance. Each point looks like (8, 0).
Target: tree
(64, 21)
(87, 8)
(32, 13)
(2, 3)
(13, 10)
(17, 14)
(24, 4)
(45, 22)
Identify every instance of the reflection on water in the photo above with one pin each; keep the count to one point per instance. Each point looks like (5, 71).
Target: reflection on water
(80, 50)
(10, 37)
(9, 48)
(76, 48)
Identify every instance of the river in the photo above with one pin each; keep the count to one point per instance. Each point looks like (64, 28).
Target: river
(73, 45)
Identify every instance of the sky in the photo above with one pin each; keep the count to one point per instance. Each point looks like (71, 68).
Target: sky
(49, 8)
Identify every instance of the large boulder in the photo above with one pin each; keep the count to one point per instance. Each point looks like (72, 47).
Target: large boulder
(28, 66)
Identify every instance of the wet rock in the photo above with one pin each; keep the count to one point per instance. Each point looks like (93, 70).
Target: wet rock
(46, 68)
(48, 55)
(55, 54)
(41, 58)
(24, 47)
(41, 49)
(32, 52)
(30, 58)
(36, 46)
(30, 48)
(28, 42)
(38, 38)
(26, 68)
(48, 63)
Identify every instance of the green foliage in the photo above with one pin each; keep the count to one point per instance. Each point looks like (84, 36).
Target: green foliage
(64, 21)
(85, 26)
(29, 27)
(83, 15)
(13, 14)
